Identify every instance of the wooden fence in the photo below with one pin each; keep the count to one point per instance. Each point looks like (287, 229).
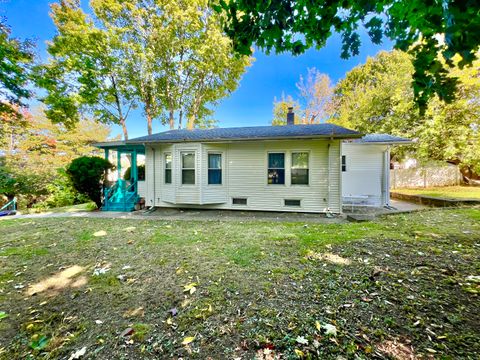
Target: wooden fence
(425, 177)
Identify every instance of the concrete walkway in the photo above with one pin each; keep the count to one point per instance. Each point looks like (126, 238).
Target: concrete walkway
(226, 215)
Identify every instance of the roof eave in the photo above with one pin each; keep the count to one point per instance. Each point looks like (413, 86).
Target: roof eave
(305, 137)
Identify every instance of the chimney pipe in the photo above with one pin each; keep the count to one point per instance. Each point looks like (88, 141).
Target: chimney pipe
(290, 116)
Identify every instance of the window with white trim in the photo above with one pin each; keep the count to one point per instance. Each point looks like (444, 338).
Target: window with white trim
(214, 169)
(276, 168)
(168, 168)
(188, 168)
(299, 168)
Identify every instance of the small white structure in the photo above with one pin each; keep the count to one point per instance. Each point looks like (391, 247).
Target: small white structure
(366, 169)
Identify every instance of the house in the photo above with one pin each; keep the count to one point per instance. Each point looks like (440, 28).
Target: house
(270, 168)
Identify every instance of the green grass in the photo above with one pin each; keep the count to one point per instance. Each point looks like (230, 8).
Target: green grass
(90, 206)
(407, 279)
(458, 192)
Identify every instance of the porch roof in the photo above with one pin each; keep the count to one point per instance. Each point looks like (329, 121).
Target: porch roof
(120, 145)
(381, 139)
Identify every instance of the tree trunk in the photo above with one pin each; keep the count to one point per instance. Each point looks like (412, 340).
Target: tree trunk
(191, 122)
(171, 119)
(180, 117)
(124, 128)
(149, 124)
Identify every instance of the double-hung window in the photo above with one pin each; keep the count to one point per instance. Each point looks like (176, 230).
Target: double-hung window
(214, 169)
(168, 168)
(299, 168)
(188, 168)
(276, 168)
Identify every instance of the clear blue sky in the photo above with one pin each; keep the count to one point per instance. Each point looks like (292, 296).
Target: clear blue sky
(249, 105)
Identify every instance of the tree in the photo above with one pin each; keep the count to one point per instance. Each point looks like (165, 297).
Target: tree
(38, 150)
(377, 97)
(280, 110)
(177, 58)
(424, 29)
(88, 174)
(85, 75)
(316, 92)
(16, 57)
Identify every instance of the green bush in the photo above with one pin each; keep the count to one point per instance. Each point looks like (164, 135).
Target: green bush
(63, 193)
(87, 174)
(141, 173)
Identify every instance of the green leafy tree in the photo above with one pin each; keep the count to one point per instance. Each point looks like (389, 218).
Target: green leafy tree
(177, 58)
(377, 97)
(38, 150)
(16, 58)
(424, 29)
(85, 75)
(87, 174)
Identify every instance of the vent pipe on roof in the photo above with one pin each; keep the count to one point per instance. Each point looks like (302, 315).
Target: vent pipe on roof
(290, 116)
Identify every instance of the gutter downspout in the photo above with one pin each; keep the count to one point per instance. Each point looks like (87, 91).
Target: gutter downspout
(328, 178)
(386, 176)
(154, 177)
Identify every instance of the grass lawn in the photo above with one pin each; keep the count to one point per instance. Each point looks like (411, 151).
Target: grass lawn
(90, 206)
(459, 192)
(406, 285)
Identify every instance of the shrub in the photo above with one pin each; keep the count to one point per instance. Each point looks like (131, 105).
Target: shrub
(141, 173)
(87, 174)
(63, 193)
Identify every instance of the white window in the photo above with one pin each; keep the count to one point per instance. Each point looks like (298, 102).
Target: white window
(276, 168)
(214, 169)
(188, 168)
(168, 168)
(299, 168)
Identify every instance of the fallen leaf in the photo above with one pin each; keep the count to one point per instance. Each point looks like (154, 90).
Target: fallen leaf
(191, 288)
(140, 312)
(78, 354)
(100, 233)
(127, 332)
(188, 340)
(130, 229)
(299, 353)
(318, 326)
(330, 329)
(302, 340)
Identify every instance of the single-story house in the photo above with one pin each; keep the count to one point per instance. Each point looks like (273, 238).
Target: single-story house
(301, 168)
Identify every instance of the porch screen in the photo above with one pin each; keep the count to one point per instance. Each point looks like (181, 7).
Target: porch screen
(276, 168)
(214, 169)
(188, 168)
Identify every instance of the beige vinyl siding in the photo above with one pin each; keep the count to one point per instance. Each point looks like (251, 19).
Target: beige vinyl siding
(149, 176)
(244, 175)
(214, 194)
(364, 177)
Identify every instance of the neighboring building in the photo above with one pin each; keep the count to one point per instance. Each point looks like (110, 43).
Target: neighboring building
(270, 168)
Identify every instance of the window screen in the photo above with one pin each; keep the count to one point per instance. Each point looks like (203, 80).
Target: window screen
(300, 168)
(276, 168)
(239, 201)
(188, 168)
(291, 202)
(214, 169)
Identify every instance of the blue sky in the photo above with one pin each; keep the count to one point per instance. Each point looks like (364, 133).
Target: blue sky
(250, 105)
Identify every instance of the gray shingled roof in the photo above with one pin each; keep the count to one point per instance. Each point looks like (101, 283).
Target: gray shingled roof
(381, 138)
(251, 133)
